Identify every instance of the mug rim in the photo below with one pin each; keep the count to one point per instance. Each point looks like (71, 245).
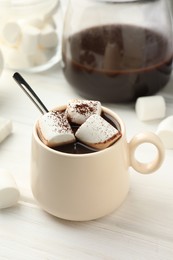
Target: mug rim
(105, 109)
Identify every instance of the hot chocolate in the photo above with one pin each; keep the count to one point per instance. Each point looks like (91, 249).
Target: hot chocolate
(117, 62)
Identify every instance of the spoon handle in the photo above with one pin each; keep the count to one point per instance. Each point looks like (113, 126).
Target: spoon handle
(30, 93)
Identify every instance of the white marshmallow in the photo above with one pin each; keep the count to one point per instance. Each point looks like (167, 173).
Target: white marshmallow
(9, 193)
(150, 108)
(11, 32)
(38, 58)
(165, 132)
(37, 22)
(15, 58)
(5, 128)
(54, 129)
(97, 132)
(48, 37)
(30, 38)
(79, 110)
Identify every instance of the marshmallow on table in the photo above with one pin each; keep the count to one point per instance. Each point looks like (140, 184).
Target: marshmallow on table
(96, 132)
(165, 132)
(79, 110)
(9, 193)
(5, 128)
(150, 108)
(54, 129)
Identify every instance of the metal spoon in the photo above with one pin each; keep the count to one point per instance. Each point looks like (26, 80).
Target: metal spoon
(30, 92)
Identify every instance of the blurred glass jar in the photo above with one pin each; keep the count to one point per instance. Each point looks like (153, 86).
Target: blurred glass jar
(29, 34)
(117, 50)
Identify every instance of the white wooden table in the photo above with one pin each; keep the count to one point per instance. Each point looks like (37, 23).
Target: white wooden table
(141, 229)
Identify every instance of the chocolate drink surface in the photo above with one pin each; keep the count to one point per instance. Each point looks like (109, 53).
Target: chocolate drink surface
(80, 148)
(117, 63)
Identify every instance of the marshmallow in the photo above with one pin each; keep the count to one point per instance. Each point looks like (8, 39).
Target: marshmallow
(37, 22)
(48, 37)
(96, 132)
(54, 129)
(9, 193)
(79, 110)
(38, 58)
(15, 58)
(150, 108)
(5, 128)
(165, 132)
(29, 34)
(30, 37)
(11, 32)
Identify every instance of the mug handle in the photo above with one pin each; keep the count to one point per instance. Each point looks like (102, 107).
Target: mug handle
(142, 138)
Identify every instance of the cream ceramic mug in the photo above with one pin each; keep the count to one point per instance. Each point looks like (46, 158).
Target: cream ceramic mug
(88, 186)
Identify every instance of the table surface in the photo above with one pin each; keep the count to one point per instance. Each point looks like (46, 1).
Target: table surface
(141, 229)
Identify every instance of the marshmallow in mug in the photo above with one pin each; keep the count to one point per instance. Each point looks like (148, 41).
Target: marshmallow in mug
(150, 108)
(165, 132)
(78, 111)
(96, 132)
(54, 127)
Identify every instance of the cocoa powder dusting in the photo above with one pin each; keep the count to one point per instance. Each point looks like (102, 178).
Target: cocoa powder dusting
(60, 122)
(86, 109)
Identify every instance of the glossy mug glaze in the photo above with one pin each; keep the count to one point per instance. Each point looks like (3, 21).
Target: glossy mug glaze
(88, 186)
